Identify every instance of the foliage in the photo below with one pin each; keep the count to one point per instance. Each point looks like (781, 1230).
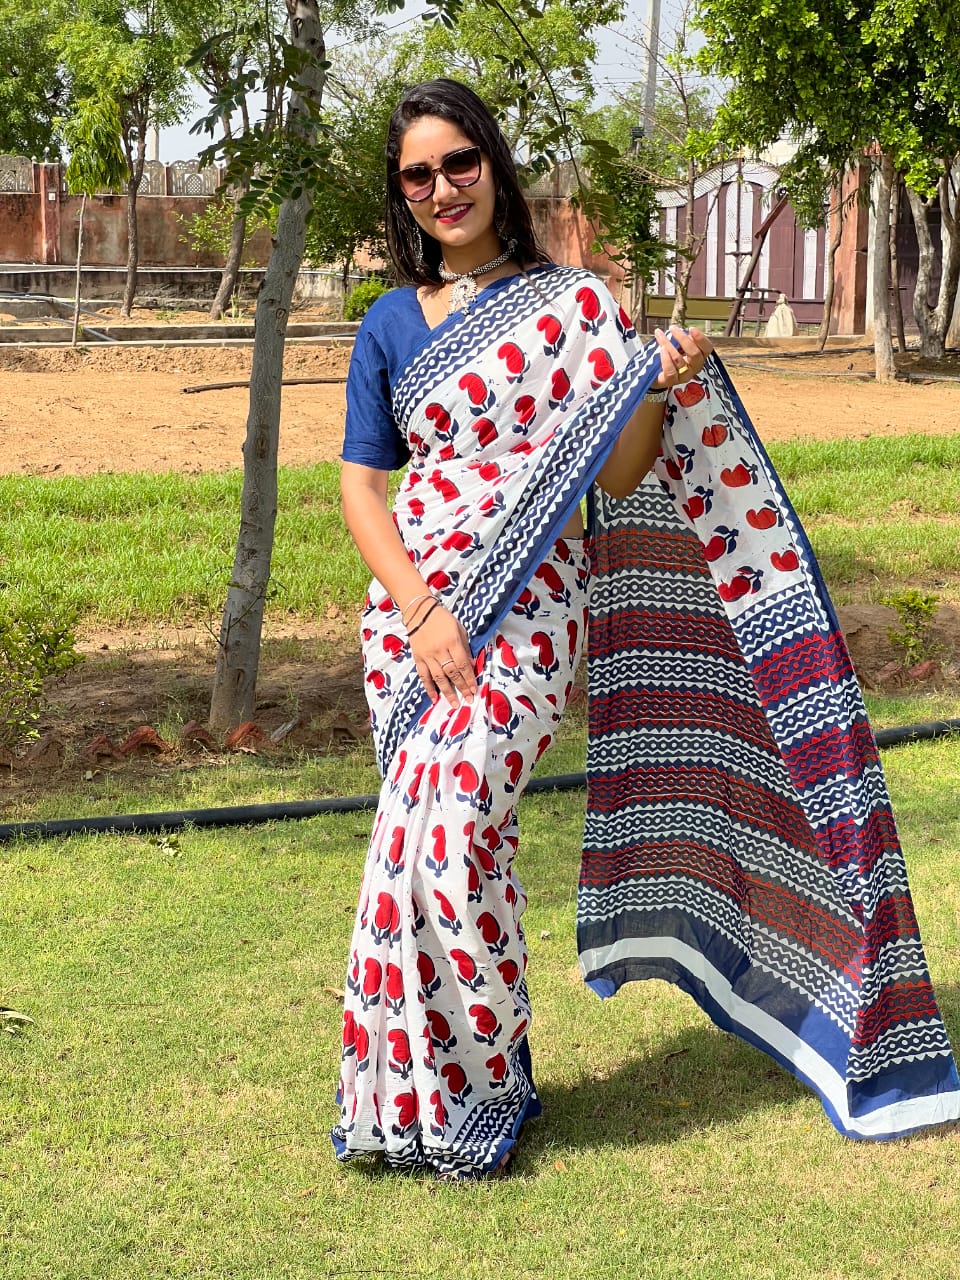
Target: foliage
(273, 161)
(530, 62)
(92, 136)
(128, 52)
(838, 76)
(842, 77)
(361, 299)
(209, 231)
(675, 148)
(33, 94)
(348, 206)
(629, 215)
(33, 645)
(665, 142)
(915, 612)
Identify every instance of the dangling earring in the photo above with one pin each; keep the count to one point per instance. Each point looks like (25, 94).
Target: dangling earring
(500, 225)
(418, 245)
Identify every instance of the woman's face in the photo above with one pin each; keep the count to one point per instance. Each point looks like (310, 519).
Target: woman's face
(460, 218)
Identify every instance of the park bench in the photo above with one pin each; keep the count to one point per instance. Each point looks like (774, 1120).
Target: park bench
(699, 310)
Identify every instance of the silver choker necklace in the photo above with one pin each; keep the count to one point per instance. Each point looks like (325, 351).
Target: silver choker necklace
(464, 289)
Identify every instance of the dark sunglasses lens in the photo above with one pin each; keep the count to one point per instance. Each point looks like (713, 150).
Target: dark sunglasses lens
(463, 167)
(416, 183)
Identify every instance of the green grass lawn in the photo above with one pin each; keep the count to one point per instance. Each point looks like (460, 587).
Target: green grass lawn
(118, 548)
(166, 1115)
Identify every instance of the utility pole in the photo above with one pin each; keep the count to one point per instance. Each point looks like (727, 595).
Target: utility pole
(651, 40)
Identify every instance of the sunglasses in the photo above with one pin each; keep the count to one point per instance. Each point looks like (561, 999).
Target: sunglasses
(418, 181)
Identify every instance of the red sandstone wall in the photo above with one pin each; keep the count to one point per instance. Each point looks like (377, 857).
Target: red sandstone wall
(568, 239)
(19, 228)
(163, 235)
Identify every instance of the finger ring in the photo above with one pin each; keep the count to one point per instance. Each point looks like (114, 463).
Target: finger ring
(682, 369)
(450, 662)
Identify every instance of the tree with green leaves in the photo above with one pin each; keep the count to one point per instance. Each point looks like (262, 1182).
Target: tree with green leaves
(234, 49)
(33, 93)
(920, 43)
(348, 207)
(97, 162)
(530, 62)
(623, 201)
(664, 137)
(843, 77)
(127, 51)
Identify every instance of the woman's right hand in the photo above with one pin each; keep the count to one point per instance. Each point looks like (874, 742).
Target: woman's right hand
(441, 651)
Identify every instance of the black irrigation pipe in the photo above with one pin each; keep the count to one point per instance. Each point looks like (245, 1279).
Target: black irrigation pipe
(250, 814)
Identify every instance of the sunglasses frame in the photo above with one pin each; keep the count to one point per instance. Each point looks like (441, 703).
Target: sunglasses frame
(440, 168)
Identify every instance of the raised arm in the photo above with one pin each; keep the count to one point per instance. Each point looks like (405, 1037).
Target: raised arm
(639, 442)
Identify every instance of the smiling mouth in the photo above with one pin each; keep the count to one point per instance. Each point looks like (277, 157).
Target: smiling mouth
(453, 213)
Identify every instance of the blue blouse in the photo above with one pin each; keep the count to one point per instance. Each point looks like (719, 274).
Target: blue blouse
(392, 332)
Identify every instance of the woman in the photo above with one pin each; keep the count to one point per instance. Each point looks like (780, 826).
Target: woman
(739, 840)
(485, 369)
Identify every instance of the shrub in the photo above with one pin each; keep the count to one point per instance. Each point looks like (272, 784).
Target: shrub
(359, 301)
(33, 645)
(915, 612)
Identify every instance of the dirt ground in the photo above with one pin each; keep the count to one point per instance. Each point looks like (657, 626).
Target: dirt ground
(131, 409)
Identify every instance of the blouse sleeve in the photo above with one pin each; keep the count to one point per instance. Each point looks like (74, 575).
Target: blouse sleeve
(371, 435)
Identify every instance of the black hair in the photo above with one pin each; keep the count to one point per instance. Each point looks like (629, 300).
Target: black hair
(451, 100)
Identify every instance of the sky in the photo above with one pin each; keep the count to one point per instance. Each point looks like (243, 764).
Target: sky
(619, 64)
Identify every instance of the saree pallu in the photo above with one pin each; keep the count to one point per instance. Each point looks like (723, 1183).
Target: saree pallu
(742, 843)
(509, 414)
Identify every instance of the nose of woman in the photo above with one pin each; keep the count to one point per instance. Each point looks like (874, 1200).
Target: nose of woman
(444, 189)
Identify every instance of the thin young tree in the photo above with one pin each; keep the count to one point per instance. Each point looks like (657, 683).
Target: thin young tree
(97, 163)
(238, 655)
(127, 50)
(677, 147)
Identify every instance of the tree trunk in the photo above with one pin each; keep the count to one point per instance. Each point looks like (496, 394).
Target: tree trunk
(895, 264)
(235, 679)
(831, 273)
(231, 268)
(133, 248)
(933, 322)
(886, 369)
(76, 289)
(922, 311)
(686, 255)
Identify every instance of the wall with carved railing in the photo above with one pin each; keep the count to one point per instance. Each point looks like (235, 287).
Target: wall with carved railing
(39, 218)
(16, 174)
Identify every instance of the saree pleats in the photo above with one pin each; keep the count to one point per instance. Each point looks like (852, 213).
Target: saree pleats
(436, 1071)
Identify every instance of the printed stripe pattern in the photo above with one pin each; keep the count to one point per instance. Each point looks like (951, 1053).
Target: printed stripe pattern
(737, 809)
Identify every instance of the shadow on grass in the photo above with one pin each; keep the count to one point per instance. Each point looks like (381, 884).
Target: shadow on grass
(689, 1082)
(701, 1077)
(948, 998)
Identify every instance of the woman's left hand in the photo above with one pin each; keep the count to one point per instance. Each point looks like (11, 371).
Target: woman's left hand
(680, 363)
